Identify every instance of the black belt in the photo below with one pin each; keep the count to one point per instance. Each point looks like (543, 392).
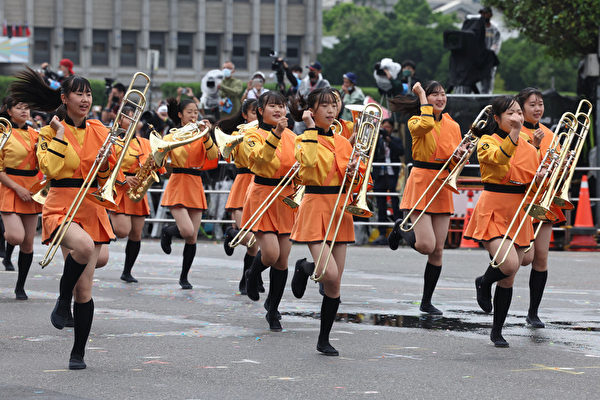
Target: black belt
(70, 183)
(189, 171)
(267, 181)
(243, 170)
(129, 173)
(427, 165)
(322, 189)
(21, 172)
(495, 187)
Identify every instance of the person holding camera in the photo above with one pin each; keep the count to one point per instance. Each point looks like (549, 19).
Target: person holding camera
(388, 79)
(52, 78)
(231, 91)
(115, 93)
(256, 87)
(313, 81)
(351, 94)
(281, 68)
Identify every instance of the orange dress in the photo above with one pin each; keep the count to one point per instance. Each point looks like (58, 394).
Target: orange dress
(506, 171)
(529, 129)
(323, 159)
(18, 161)
(185, 188)
(66, 163)
(269, 158)
(242, 181)
(433, 142)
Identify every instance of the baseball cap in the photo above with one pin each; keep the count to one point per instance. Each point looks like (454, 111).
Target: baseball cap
(65, 62)
(315, 66)
(351, 76)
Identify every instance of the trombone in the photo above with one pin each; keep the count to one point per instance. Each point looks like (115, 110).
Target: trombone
(471, 139)
(104, 196)
(5, 131)
(364, 149)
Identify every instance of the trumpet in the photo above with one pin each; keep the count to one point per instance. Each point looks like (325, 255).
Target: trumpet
(104, 196)
(147, 174)
(471, 139)
(5, 131)
(363, 150)
(226, 143)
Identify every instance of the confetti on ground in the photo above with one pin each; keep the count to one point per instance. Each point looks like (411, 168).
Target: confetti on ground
(246, 361)
(56, 370)
(157, 362)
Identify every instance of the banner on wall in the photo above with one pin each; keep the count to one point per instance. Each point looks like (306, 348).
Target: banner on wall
(14, 50)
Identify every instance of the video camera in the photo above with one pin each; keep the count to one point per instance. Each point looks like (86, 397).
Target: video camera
(277, 63)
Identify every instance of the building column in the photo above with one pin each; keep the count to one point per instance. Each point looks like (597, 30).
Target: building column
(170, 60)
(58, 34)
(309, 38)
(144, 45)
(29, 20)
(87, 42)
(283, 27)
(228, 32)
(114, 59)
(318, 27)
(200, 39)
(254, 47)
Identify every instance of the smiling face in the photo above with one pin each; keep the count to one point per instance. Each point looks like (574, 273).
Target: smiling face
(324, 113)
(78, 103)
(533, 109)
(504, 120)
(19, 113)
(438, 99)
(272, 112)
(189, 114)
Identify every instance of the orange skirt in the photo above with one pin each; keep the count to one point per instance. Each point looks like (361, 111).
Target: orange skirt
(417, 182)
(90, 216)
(313, 218)
(184, 190)
(11, 203)
(278, 218)
(237, 194)
(493, 214)
(129, 207)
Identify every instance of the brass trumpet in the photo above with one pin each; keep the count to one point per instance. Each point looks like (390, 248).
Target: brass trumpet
(368, 123)
(105, 196)
(5, 131)
(226, 143)
(471, 139)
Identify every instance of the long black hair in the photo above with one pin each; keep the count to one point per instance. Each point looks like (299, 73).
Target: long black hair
(229, 125)
(270, 97)
(30, 88)
(174, 108)
(7, 103)
(410, 105)
(299, 104)
(499, 105)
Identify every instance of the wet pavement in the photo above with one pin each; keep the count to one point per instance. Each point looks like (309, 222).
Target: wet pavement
(151, 340)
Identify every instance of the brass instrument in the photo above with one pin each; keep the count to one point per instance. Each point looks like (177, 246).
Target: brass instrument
(368, 124)
(471, 139)
(226, 143)
(147, 174)
(5, 131)
(39, 191)
(104, 196)
(554, 162)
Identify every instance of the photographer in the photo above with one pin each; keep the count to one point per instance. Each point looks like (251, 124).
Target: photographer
(115, 93)
(352, 94)
(281, 68)
(52, 78)
(388, 79)
(313, 81)
(256, 87)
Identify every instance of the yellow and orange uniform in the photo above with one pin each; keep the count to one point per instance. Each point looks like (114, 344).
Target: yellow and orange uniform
(323, 159)
(507, 168)
(66, 164)
(270, 157)
(243, 179)
(185, 187)
(18, 161)
(433, 142)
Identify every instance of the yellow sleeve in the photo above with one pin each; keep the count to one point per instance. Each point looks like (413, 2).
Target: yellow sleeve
(211, 149)
(262, 153)
(489, 151)
(423, 124)
(306, 148)
(2, 168)
(50, 152)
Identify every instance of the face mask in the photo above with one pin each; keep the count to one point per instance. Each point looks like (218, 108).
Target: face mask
(406, 73)
(312, 74)
(296, 75)
(226, 72)
(60, 73)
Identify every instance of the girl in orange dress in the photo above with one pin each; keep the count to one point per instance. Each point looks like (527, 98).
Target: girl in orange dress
(435, 136)
(129, 217)
(18, 172)
(66, 151)
(184, 194)
(508, 164)
(324, 158)
(237, 193)
(532, 104)
(269, 149)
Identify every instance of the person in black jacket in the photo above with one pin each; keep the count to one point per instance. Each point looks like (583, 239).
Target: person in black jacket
(389, 149)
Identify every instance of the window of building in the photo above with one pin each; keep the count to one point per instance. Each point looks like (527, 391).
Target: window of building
(129, 48)
(185, 47)
(99, 47)
(212, 50)
(266, 48)
(71, 44)
(157, 42)
(293, 50)
(41, 45)
(238, 55)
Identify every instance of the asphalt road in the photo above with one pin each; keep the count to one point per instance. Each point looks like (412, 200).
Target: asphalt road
(151, 340)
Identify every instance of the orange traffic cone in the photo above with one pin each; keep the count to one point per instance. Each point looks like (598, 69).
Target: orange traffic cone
(583, 232)
(468, 243)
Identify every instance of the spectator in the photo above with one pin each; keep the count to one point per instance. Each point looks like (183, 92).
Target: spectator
(389, 149)
(409, 76)
(314, 80)
(115, 97)
(256, 87)
(352, 94)
(281, 68)
(388, 79)
(492, 42)
(210, 101)
(231, 91)
(65, 69)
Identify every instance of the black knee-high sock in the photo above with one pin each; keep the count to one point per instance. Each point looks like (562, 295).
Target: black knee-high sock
(502, 299)
(132, 249)
(71, 273)
(83, 314)
(537, 283)
(248, 260)
(2, 240)
(189, 252)
(432, 274)
(278, 279)
(492, 275)
(8, 252)
(24, 264)
(329, 308)
(173, 231)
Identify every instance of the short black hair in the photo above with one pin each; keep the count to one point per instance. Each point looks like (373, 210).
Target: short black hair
(120, 87)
